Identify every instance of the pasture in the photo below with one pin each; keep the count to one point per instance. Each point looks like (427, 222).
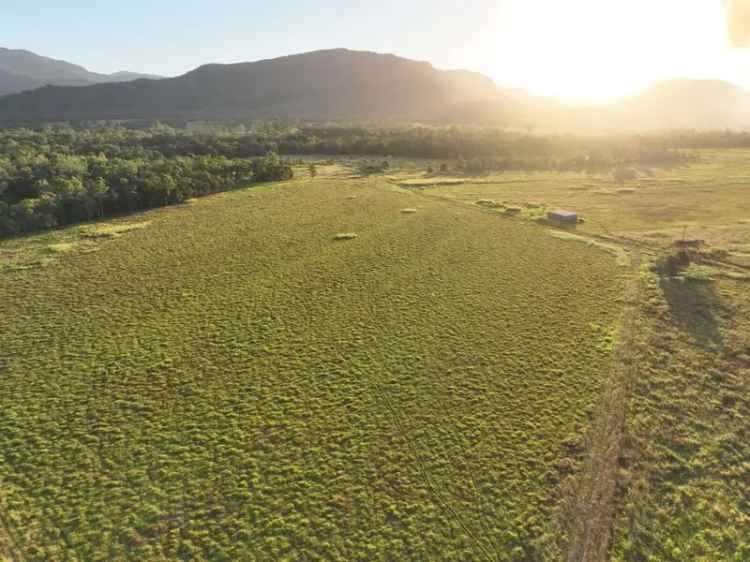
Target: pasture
(682, 475)
(328, 369)
(685, 468)
(709, 199)
(382, 368)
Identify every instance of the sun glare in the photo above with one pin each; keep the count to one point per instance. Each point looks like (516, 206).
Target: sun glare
(595, 50)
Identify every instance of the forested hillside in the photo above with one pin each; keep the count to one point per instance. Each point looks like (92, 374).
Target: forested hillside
(335, 84)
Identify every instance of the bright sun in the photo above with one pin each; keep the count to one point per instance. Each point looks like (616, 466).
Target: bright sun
(593, 50)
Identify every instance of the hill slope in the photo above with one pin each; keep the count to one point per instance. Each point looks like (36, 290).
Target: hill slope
(334, 84)
(22, 70)
(340, 84)
(670, 104)
(701, 104)
(10, 83)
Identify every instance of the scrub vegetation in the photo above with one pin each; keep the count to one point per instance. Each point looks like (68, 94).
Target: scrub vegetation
(227, 381)
(686, 466)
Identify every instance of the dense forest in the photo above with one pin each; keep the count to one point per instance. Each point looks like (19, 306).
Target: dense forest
(59, 175)
(54, 178)
(410, 141)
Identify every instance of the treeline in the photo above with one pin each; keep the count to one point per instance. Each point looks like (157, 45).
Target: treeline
(288, 138)
(710, 139)
(511, 150)
(44, 185)
(58, 175)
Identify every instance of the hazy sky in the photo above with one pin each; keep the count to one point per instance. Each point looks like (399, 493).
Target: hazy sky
(587, 49)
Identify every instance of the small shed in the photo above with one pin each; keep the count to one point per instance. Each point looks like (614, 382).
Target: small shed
(563, 216)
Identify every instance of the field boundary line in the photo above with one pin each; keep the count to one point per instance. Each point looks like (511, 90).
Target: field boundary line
(589, 509)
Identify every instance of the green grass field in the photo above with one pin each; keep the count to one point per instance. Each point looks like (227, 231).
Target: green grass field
(227, 380)
(684, 468)
(686, 465)
(382, 369)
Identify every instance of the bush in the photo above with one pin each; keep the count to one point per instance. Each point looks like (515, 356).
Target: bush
(367, 168)
(271, 168)
(673, 263)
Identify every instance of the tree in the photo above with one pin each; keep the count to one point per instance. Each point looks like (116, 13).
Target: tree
(36, 214)
(271, 168)
(97, 191)
(8, 225)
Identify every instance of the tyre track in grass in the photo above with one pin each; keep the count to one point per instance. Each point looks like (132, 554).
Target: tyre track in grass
(589, 506)
(451, 512)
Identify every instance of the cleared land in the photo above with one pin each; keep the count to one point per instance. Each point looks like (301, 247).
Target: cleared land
(686, 465)
(382, 368)
(709, 199)
(226, 380)
(684, 459)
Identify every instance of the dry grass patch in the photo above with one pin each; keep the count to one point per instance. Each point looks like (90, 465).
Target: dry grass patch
(109, 230)
(346, 236)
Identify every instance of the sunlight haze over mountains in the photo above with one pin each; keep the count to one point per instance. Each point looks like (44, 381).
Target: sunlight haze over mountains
(588, 50)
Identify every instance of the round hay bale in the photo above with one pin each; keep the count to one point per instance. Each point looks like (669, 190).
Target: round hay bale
(346, 236)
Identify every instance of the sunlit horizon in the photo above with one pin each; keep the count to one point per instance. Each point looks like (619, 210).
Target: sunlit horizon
(598, 51)
(579, 51)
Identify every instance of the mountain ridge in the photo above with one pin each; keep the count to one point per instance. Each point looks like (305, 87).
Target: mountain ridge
(349, 85)
(22, 70)
(334, 83)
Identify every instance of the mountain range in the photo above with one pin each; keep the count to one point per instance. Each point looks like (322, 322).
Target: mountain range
(666, 105)
(340, 84)
(332, 84)
(22, 70)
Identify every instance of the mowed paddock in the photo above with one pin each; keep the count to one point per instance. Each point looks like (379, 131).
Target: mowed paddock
(230, 381)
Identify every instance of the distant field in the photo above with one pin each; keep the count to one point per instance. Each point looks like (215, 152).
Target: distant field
(713, 192)
(224, 380)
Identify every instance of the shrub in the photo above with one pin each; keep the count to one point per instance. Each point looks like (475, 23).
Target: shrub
(271, 168)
